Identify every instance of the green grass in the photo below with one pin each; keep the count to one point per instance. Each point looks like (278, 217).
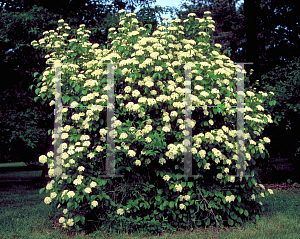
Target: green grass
(20, 164)
(23, 214)
(23, 175)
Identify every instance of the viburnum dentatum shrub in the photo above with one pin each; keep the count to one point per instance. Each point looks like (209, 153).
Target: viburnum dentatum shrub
(149, 88)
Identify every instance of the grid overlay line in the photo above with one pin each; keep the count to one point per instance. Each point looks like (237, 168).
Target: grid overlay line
(110, 167)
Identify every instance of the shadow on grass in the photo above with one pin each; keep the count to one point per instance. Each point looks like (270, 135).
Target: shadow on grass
(23, 214)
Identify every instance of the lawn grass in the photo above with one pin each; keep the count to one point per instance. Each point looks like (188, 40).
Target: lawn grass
(23, 214)
(17, 164)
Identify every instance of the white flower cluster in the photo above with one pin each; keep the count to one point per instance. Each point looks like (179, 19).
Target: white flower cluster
(94, 203)
(230, 198)
(162, 161)
(42, 159)
(50, 185)
(77, 181)
(178, 187)
(166, 177)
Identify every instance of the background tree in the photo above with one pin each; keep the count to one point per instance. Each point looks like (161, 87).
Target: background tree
(277, 42)
(252, 53)
(286, 111)
(21, 117)
(277, 35)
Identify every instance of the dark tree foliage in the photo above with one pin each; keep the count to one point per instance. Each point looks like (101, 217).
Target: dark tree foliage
(250, 11)
(285, 83)
(278, 32)
(24, 123)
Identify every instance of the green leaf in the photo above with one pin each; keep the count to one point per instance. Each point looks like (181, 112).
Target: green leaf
(128, 168)
(82, 220)
(77, 88)
(149, 25)
(119, 71)
(190, 184)
(84, 92)
(37, 91)
(246, 213)
(77, 218)
(233, 215)
(42, 190)
(65, 99)
(71, 43)
(230, 222)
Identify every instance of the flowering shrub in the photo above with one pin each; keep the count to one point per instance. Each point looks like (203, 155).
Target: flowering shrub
(150, 128)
